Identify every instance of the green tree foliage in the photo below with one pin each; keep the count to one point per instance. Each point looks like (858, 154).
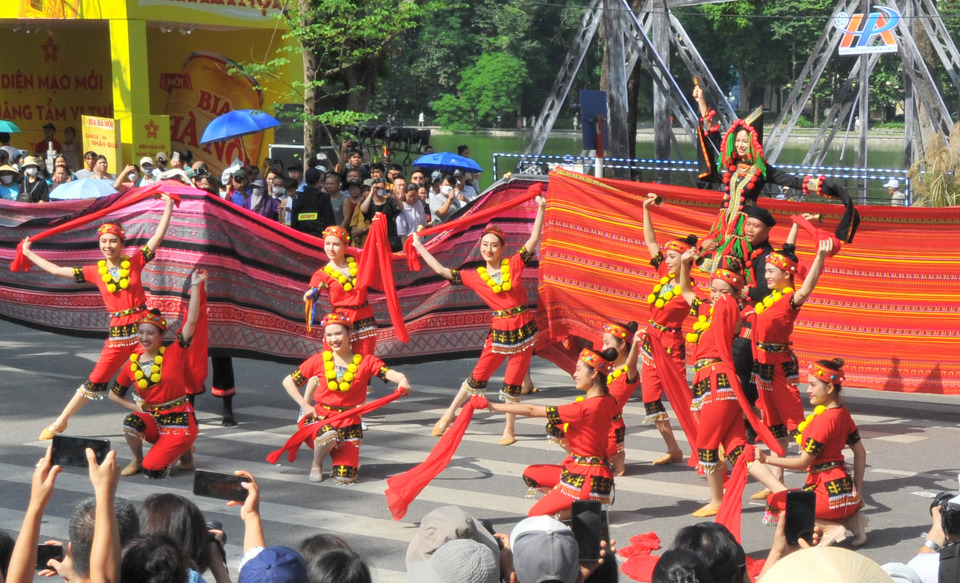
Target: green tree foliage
(487, 89)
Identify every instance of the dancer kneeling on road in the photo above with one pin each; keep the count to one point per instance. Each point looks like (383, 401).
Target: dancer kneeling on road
(337, 380)
(161, 415)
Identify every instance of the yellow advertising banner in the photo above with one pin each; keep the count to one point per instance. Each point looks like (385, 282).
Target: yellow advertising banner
(102, 135)
(151, 134)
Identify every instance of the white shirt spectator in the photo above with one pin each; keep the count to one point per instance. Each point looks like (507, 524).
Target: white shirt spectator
(411, 217)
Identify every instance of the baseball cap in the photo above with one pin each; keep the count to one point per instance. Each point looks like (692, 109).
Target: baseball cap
(161, 157)
(892, 183)
(273, 565)
(437, 175)
(146, 160)
(368, 182)
(544, 549)
(458, 172)
(457, 561)
(444, 524)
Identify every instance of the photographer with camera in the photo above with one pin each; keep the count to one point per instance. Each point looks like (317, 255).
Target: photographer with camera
(938, 558)
(378, 200)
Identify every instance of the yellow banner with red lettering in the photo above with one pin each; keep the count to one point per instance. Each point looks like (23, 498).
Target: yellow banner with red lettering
(102, 135)
(151, 134)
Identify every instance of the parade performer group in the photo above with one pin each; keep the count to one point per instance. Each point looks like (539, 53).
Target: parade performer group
(331, 386)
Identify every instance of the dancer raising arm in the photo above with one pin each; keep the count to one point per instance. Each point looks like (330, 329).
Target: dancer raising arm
(668, 310)
(513, 330)
(585, 473)
(117, 277)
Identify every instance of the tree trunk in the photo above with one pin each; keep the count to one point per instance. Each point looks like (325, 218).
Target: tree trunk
(311, 97)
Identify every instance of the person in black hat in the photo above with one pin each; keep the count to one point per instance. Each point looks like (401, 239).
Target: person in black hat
(48, 142)
(756, 231)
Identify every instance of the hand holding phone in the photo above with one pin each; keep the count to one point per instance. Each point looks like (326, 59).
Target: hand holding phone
(219, 485)
(587, 522)
(47, 552)
(800, 516)
(72, 451)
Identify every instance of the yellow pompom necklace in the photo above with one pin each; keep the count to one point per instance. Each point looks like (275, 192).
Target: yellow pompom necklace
(699, 327)
(116, 278)
(664, 291)
(340, 380)
(771, 299)
(818, 410)
(617, 373)
(497, 284)
(348, 283)
(148, 376)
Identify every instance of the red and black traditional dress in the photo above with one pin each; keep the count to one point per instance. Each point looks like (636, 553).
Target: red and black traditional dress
(824, 437)
(124, 298)
(340, 389)
(513, 329)
(167, 420)
(351, 301)
(776, 371)
(585, 474)
(668, 310)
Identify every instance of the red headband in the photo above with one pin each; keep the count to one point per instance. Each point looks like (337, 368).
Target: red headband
(782, 262)
(678, 245)
(735, 280)
(336, 318)
(598, 362)
(496, 231)
(337, 231)
(825, 374)
(151, 318)
(111, 229)
(617, 331)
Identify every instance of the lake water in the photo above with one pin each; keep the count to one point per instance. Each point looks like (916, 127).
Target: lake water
(884, 153)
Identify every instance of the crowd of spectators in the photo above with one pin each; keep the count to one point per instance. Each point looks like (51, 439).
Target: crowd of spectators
(169, 541)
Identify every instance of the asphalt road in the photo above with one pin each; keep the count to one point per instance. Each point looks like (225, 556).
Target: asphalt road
(910, 439)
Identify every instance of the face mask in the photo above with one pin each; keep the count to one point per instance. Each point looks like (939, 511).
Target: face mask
(445, 189)
(132, 177)
(279, 191)
(31, 171)
(6, 179)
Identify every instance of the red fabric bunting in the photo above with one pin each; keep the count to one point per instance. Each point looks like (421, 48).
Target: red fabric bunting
(413, 259)
(131, 197)
(309, 432)
(403, 488)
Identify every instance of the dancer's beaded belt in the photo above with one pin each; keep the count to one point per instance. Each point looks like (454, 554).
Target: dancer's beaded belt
(363, 305)
(773, 346)
(509, 312)
(128, 311)
(704, 363)
(663, 328)
(164, 406)
(592, 460)
(817, 468)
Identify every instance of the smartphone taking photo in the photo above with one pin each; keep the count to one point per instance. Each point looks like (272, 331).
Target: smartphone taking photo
(72, 451)
(47, 552)
(800, 516)
(219, 485)
(587, 522)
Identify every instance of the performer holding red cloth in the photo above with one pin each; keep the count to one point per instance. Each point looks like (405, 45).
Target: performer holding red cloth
(339, 278)
(513, 330)
(336, 380)
(162, 415)
(117, 277)
(822, 439)
(668, 310)
(585, 473)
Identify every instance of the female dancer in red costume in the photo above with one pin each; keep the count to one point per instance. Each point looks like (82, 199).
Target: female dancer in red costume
(513, 331)
(585, 473)
(339, 277)
(161, 415)
(336, 381)
(117, 277)
(776, 370)
(822, 439)
(668, 310)
(715, 387)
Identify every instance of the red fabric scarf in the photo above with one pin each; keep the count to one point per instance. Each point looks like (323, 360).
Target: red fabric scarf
(309, 432)
(375, 270)
(678, 394)
(403, 488)
(131, 197)
(196, 366)
(413, 259)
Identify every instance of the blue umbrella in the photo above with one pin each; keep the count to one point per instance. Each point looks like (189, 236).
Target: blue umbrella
(236, 123)
(83, 188)
(447, 162)
(8, 127)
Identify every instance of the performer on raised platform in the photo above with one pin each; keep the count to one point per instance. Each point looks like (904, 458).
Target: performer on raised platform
(117, 277)
(513, 330)
(585, 474)
(668, 310)
(822, 438)
(336, 380)
(162, 415)
(339, 278)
